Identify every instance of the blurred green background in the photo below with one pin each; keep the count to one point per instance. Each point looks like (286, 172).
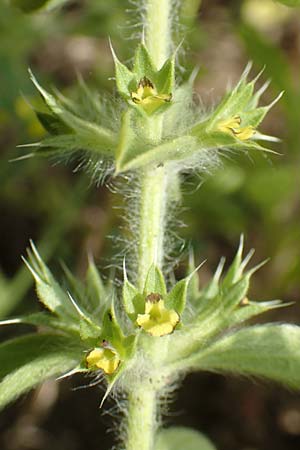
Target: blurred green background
(68, 216)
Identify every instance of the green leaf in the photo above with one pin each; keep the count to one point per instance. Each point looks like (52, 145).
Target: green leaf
(92, 135)
(74, 142)
(176, 298)
(236, 293)
(176, 149)
(29, 360)
(126, 140)
(133, 301)
(89, 331)
(251, 309)
(211, 290)
(235, 271)
(165, 78)
(129, 293)
(111, 330)
(155, 282)
(268, 351)
(95, 289)
(125, 80)
(74, 285)
(143, 65)
(181, 104)
(52, 124)
(182, 438)
(43, 319)
(48, 290)
(129, 346)
(235, 101)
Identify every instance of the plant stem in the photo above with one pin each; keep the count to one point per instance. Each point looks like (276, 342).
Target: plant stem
(153, 205)
(142, 401)
(153, 200)
(158, 30)
(141, 424)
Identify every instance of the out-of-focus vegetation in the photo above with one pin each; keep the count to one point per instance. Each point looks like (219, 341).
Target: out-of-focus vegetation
(68, 217)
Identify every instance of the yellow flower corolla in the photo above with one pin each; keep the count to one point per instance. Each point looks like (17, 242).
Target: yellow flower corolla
(147, 96)
(157, 320)
(103, 358)
(233, 126)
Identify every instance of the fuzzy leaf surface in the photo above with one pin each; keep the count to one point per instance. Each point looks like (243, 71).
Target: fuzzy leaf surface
(95, 290)
(48, 290)
(176, 298)
(268, 351)
(29, 360)
(176, 149)
(155, 282)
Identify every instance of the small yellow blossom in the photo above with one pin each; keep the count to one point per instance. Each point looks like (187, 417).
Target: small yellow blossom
(157, 320)
(233, 126)
(146, 95)
(103, 358)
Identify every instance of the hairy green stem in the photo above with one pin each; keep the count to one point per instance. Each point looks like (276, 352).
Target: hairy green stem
(141, 424)
(142, 398)
(153, 205)
(158, 30)
(153, 200)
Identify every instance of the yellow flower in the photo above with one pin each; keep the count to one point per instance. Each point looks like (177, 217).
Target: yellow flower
(104, 358)
(157, 320)
(146, 95)
(233, 126)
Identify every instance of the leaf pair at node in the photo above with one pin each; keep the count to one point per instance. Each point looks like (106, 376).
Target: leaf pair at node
(145, 87)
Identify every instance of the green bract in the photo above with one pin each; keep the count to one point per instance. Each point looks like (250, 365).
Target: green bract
(92, 328)
(160, 124)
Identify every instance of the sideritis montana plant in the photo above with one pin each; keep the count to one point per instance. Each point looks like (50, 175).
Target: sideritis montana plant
(141, 338)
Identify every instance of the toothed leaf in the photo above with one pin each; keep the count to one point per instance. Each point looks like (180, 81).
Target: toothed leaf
(88, 135)
(48, 290)
(125, 80)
